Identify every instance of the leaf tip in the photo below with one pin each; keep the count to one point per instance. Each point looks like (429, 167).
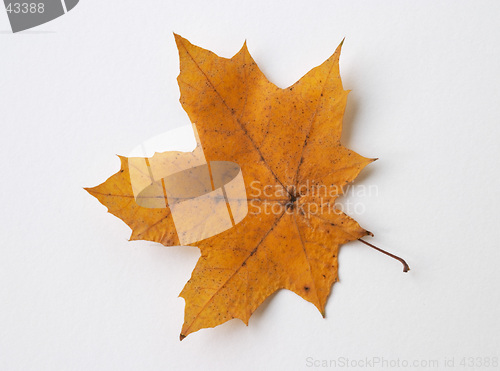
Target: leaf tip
(244, 50)
(182, 337)
(339, 48)
(179, 40)
(88, 189)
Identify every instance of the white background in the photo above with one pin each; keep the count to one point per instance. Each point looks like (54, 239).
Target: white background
(425, 81)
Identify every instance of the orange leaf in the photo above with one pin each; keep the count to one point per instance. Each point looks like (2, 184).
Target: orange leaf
(283, 231)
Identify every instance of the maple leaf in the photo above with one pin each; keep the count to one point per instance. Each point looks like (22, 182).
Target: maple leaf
(287, 143)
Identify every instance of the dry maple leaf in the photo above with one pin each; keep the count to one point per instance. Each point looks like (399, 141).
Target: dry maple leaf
(287, 143)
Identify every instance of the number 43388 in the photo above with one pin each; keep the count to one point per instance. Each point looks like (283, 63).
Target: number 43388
(25, 8)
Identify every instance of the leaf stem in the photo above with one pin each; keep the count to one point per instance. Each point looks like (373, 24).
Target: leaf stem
(406, 268)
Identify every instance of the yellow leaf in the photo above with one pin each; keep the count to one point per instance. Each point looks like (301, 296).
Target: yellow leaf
(282, 229)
